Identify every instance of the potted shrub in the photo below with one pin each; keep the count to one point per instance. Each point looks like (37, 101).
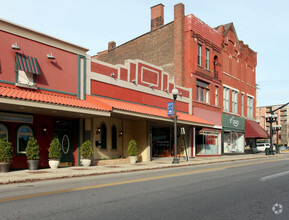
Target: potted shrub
(5, 155)
(54, 153)
(86, 153)
(132, 151)
(32, 153)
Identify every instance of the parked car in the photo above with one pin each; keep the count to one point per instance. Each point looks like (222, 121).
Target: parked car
(262, 146)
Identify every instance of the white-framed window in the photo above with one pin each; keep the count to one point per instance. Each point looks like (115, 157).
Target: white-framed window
(203, 91)
(207, 59)
(234, 101)
(249, 106)
(199, 54)
(226, 99)
(23, 134)
(216, 96)
(3, 131)
(242, 104)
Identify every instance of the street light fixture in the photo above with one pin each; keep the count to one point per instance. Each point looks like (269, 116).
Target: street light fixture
(277, 128)
(271, 118)
(175, 93)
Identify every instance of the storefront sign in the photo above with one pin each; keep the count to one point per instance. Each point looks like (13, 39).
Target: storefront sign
(233, 123)
(10, 117)
(170, 108)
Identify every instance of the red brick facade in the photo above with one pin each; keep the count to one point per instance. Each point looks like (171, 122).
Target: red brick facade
(224, 59)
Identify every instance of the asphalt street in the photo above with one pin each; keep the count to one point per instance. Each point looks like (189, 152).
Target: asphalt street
(253, 189)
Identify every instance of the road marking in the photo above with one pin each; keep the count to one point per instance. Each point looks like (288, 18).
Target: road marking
(130, 181)
(274, 176)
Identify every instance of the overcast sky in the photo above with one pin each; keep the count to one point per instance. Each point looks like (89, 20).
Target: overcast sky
(263, 25)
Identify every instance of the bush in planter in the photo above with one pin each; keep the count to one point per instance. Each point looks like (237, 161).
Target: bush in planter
(54, 153)
(32, 149)
(86, 150)
(132, 149)
(55, 149)
(86, 153)
(5, 150)
(5, 155)
(32, 153)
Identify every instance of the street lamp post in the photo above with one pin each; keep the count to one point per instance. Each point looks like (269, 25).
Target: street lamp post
(175, 94)
(271, 118)
(277, 128)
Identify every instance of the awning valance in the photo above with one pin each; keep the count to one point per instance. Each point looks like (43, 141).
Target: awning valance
(254, 130)
(27, 63)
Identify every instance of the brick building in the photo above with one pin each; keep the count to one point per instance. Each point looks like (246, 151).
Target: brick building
(218, 67)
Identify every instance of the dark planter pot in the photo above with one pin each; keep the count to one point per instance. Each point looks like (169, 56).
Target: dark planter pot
(32, 164)
(4, 167)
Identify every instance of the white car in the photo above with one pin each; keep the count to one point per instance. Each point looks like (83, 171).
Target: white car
(262, 146)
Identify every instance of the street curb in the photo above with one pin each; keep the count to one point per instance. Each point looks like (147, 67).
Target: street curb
(27, 180)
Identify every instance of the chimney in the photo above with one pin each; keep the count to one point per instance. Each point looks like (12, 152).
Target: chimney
(111, 45)
(157, 16)
(179, 44)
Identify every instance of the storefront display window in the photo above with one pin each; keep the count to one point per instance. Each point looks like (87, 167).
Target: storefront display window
(208, 143)
(161, 144)
(234, 142)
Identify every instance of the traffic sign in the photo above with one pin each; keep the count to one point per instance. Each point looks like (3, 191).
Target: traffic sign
(170, 108)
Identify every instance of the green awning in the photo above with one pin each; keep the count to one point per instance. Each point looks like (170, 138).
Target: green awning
(27, 63)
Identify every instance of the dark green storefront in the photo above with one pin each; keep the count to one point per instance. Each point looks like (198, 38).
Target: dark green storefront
(233, 134)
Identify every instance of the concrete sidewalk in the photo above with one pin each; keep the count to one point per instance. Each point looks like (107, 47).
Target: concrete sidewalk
(22, 176)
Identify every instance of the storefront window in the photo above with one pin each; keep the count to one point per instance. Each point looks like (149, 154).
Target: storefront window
(208, 143)
(234, 142)
(3, 131)
(23, 135)
(161, 145)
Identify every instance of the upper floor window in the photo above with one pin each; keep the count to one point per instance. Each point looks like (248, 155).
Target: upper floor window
(103, 136)
(207, 59)
(234, 102)
(202, 91)
(199, 54)
(249, 106)
(113, 138)
(226, 99)
(3, 131)
(23, 135)
(216, 96)
(26, 68)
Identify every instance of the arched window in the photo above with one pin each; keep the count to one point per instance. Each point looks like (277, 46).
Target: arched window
(3, 131)
(103, 136)
(113, 138)
(23, 135)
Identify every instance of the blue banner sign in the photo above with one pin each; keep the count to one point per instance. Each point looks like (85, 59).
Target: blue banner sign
(170, 108)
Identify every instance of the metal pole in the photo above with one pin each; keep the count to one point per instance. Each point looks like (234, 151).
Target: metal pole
(175, 160)
(271, 131)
